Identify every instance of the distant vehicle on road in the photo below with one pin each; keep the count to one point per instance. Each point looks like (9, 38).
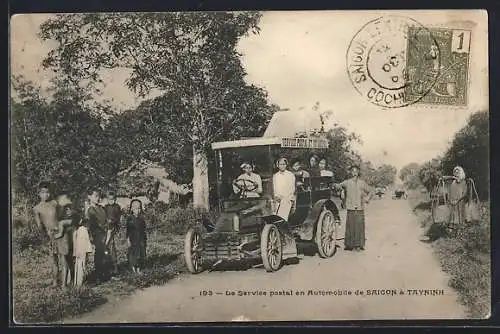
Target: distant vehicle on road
(379, 191)
(400, 193)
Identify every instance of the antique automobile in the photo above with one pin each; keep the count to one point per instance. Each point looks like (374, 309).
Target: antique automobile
(379, 191)
(399, 193)
(247, 227)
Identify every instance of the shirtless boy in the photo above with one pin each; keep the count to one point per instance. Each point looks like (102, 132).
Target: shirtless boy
(46, 217)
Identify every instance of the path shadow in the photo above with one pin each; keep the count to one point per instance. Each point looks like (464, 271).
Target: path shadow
(423, 206)
(156, 261)
(307, 249)
(435, 232)
(236, 265)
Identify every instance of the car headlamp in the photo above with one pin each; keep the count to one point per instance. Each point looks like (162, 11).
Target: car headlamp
(236, 223)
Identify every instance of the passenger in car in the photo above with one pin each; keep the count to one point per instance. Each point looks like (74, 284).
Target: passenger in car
(300, 174)
(313, 165)
(283, 189)
(322, 168)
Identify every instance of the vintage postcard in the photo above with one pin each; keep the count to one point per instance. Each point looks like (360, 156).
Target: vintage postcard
(249, 166)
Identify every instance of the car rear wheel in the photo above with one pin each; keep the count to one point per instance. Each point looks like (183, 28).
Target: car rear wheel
(192, 251)
(326, 234)
(271, 248)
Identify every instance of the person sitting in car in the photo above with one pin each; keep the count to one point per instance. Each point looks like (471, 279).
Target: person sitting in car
(248, 184)
(322, 168)
(300, 174)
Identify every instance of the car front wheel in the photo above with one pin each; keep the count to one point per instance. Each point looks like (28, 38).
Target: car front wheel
(326, 234)
(192, 251)
(271, 248)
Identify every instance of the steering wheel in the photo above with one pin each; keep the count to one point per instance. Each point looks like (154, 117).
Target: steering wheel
(245, 185)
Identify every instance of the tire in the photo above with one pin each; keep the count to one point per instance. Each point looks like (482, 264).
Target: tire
(326, 234)
(270, 248)
(192, 256)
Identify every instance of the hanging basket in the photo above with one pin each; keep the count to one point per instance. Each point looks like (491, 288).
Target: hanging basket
(440, 205)
(472, 210)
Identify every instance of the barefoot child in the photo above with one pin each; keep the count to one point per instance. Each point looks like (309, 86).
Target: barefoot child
(64, 239)
(82, 248)
(136, 237)
(46, 217)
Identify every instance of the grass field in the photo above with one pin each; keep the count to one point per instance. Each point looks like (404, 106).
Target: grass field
(466, 257)
(35, 301)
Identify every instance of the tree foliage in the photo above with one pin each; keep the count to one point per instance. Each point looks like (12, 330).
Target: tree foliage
(190, 58)
(383, 175)
(409, 174)
(470, 149)
(59, 140)
(430, 172)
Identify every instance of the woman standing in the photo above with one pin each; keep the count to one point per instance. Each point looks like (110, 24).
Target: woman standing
(136, 237)
(458, 196)
(357, 194)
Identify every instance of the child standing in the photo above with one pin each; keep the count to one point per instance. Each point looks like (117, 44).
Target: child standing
(46, 217)
(81, 248)
(64, 239)
(113, 215)
(136, 237)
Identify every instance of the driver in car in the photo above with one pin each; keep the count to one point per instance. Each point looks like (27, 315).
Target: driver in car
(248, 184)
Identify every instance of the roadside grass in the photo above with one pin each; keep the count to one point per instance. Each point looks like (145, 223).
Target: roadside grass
(466, 258)
(36, 301)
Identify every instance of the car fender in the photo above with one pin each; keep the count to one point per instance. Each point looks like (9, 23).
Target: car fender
(272, 219)
(308, 228)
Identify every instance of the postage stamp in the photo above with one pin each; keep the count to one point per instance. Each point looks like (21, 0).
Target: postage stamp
(376, 61)
(447, 60)
(395, 61)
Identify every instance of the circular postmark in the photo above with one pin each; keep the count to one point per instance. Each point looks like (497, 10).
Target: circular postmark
(393, 61)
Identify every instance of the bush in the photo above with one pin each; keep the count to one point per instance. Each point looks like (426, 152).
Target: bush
(173, 220)
(25, 233)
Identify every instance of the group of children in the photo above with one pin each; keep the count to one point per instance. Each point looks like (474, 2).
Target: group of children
(74, 235)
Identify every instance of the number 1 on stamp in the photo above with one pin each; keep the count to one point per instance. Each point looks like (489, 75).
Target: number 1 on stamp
(460, 41)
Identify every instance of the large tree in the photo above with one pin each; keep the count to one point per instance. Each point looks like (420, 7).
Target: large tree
(190, 58)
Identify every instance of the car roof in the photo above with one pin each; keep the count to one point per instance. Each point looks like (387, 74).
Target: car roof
(285, 142)
(258, 141)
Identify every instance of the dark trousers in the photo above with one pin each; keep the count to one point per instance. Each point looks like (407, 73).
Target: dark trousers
(100, 258)
(355, 229)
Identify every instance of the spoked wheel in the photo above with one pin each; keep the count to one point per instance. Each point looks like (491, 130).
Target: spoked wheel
(326, 234)
(192, 251)
(271, 248)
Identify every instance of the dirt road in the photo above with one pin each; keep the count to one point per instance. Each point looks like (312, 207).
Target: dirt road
(394, 261)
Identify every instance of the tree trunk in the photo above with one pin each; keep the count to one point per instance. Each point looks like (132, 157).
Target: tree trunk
(200, 180)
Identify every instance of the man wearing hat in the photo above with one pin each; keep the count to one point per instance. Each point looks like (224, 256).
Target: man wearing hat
(357, 194)
(251, 189)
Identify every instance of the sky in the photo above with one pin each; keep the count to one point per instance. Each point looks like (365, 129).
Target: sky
(300, 59)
